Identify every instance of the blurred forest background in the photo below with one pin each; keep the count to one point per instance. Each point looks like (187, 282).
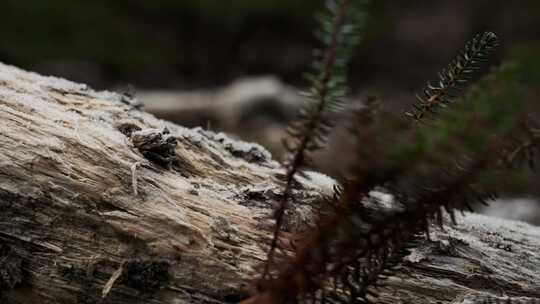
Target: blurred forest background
(235, 65)
(185, 44)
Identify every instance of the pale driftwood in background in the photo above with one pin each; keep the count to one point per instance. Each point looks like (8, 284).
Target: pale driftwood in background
(103, 203)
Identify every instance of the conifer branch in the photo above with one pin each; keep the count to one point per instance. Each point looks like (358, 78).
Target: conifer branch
(310, 133)
(455, 77)
(354, 248)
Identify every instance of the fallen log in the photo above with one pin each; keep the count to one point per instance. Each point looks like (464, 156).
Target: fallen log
(101, 202)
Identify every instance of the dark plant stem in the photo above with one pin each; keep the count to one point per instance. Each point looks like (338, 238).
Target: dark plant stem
(299, 158)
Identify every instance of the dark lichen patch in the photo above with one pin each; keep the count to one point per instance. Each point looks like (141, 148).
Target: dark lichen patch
(451, 247)
(258, 197)
(253, 155)
(73, 273)
(11, 268)
(250, 152)
(146, 275)
(127, 127)
(89, 297)
(82, 276)
(156, 145)
(234, 296)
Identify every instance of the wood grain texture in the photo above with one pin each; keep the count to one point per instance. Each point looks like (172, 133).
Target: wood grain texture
(91, 187)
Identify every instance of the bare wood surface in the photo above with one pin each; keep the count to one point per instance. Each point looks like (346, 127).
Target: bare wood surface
(103, 203)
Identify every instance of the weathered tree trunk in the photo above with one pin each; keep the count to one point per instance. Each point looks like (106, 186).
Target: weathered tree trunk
(103, 203)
